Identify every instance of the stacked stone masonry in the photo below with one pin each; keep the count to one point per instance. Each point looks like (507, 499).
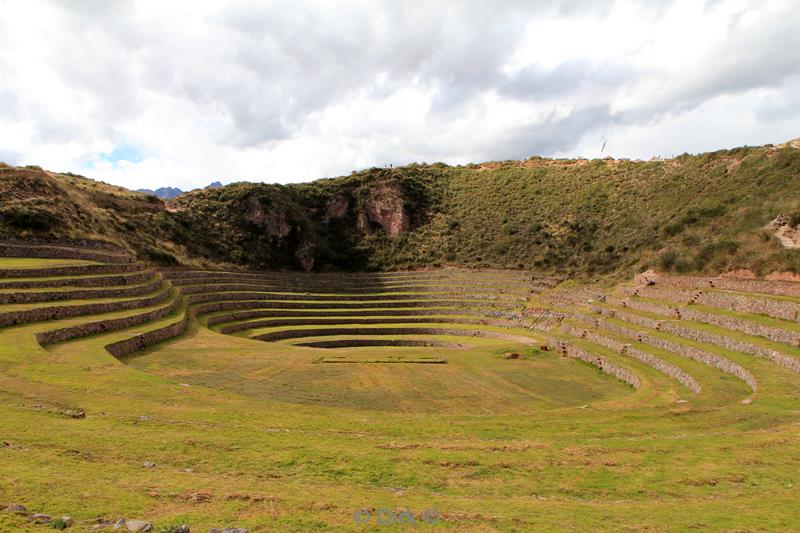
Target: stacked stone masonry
(713, 360)
(79, 294)
(145, 340)
(745, 303)
(626, 349)
(568, 350)
(725, 341)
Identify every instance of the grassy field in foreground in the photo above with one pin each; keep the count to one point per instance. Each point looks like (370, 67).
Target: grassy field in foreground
(218, 430)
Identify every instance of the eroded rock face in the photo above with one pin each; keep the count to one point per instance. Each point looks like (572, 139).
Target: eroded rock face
(271, 219)
(385, 205)
(305, 256)
(335, 208)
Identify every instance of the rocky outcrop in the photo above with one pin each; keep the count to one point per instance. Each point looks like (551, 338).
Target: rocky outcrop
(787, 232)
(305, 256)
(335, 208)
(271, 218)
(385, 205)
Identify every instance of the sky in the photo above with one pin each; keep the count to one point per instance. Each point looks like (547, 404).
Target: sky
(182, 93)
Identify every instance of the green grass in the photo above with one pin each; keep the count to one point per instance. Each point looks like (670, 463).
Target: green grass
(26, 262)
(263, 435)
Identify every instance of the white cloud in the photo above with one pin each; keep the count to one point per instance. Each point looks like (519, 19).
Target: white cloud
(289, 91)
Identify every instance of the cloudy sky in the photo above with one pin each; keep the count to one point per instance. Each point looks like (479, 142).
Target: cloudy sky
(147, 93)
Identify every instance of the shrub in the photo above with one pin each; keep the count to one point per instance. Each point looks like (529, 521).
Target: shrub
(59, 523)
(710, 251)
(690, 240)
(161, 257)
(667, 260)
(509, 229)
(694, 216)
(30, 219)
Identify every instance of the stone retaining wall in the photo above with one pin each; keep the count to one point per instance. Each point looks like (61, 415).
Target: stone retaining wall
(77, 270)
(352, 278)
(320, 332)
(716, 361)
(282, 295)
(65, 243)
(622, 374)
(357, 343)
(98, 281)
(296, 303)
(81, 294)
(355, 287)
(627, 350)
(745, 303)
(57, 252)
(140, 342)
(761, 286)
(40, 314)
(319, 321)
(264, 313)
(104, 326)
(747, 327)
(573, 296)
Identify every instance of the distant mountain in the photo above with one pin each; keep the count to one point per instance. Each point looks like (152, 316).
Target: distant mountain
(168, 193)
(165, 193)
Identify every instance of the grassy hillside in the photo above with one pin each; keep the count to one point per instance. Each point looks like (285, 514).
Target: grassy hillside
(589, 218)
(692, 213)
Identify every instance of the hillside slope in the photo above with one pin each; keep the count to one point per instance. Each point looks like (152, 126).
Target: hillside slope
(586, 218)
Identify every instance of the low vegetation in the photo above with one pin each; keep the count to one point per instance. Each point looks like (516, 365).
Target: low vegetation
(585, 218)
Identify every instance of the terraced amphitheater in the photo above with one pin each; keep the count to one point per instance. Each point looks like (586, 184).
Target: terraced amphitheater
(498, 399)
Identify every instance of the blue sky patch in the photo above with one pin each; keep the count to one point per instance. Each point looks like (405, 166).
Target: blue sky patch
(122, 152)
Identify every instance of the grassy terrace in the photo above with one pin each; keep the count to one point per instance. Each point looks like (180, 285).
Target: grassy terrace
(24, 262)
(286, 436)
